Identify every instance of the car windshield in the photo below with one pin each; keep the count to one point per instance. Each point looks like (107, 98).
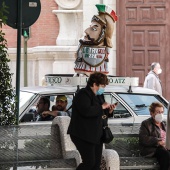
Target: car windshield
(140, 102)
(25, 99)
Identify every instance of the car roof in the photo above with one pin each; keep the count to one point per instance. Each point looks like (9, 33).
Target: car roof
(72, 89)
(49, 89)
(133, 89)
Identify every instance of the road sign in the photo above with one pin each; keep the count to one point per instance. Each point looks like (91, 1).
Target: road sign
(30, 12)
(55, 80)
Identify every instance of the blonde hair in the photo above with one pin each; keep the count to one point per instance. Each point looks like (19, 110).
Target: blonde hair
(109, 29)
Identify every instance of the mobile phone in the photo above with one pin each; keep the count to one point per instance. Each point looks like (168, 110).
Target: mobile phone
(116, 103)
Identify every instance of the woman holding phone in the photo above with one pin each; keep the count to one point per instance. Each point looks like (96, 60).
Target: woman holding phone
(86, 124)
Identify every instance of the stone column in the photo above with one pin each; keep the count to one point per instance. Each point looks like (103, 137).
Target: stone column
(70, 15)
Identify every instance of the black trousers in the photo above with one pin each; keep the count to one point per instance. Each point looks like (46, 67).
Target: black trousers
(163, 157)
(90, 153)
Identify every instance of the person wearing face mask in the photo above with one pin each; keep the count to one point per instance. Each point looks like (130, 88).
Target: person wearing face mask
(152, 136)
(86, 126)
(152, 80)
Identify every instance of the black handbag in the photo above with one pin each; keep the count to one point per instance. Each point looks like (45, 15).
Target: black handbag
(107, 135)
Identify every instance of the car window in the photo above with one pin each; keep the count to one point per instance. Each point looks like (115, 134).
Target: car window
(120, 111)
(140, 102)
(53, 100)
(30, 114)
(25, 99)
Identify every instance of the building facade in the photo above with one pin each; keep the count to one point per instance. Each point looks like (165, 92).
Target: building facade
(141, 36)
(54, 39)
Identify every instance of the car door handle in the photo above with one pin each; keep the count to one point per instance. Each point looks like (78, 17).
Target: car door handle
(127, 124)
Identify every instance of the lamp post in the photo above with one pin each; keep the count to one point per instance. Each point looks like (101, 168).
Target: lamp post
(19, 28)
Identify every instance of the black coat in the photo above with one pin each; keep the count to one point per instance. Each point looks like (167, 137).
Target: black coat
(86, 119)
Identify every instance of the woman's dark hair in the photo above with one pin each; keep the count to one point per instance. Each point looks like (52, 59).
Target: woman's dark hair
(154, 105)
(98, 78)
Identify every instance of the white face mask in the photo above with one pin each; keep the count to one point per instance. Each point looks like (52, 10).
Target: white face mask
(159, 118)
(159, 71)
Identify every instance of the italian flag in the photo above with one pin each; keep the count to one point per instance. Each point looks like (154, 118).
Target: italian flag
(106, 9)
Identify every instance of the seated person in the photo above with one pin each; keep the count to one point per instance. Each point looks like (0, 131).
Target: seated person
(43, 105)
(152, 136)
(54, 107)
(59, 109)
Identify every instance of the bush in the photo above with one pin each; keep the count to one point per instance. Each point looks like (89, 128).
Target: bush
(7, 93)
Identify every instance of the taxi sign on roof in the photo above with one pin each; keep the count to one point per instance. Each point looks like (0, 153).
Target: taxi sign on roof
(55, 80)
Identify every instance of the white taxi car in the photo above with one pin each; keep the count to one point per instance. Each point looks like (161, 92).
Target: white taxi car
(133, 100)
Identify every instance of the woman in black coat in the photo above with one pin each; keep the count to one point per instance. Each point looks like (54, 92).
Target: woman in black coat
(86, 126)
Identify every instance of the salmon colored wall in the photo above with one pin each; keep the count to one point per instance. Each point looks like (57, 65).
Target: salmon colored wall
(43, 32)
